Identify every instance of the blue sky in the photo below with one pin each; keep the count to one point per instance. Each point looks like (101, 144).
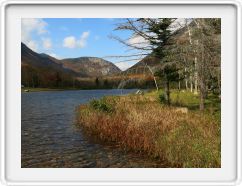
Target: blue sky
(73, 37)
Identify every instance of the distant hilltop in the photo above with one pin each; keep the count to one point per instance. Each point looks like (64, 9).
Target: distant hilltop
(90, 66)
(43, 70)
(82, 66)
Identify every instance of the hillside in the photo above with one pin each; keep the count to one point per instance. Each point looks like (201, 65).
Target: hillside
(38, 70)
(90, 66)
(142, 66)
(42, 70)
(36, 61)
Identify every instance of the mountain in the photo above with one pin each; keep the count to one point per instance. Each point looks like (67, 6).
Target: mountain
(41, 61)
(143, 66)
(39, 70)
(42, 70)
(90, 66)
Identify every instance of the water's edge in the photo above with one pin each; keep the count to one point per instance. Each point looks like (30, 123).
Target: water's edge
(50, 138)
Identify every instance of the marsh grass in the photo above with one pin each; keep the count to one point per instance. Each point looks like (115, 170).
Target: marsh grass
(141, 124)
(102, 105)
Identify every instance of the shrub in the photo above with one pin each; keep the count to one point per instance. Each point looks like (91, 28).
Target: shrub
(102, 105)
(162, 98)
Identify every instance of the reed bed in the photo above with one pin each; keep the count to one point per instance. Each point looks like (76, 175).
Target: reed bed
(141, 124)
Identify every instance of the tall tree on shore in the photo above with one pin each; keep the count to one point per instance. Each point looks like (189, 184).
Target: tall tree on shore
(153, 37)
(194, 48)
(163, 45)
(169, 73)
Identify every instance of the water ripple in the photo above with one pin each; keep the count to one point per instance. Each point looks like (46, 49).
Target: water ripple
(50, 138)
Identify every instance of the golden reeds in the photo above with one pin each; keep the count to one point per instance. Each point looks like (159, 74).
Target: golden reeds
(142, 124)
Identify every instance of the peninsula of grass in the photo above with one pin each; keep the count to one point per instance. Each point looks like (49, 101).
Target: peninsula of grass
(179, 134)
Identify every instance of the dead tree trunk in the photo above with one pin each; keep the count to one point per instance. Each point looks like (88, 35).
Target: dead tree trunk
(186, 81)
(195, 62)
(157, 88)
(191, 84)
(195, 74)
(201, 66)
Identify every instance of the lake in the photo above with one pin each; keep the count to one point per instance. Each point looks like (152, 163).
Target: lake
(51, 138)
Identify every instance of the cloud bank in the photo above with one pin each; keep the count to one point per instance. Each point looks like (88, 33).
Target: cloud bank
(30, 26)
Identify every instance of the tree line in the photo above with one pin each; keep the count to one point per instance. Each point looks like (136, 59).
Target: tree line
(41, 77)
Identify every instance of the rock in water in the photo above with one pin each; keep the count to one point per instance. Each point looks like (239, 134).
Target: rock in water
(139, 92)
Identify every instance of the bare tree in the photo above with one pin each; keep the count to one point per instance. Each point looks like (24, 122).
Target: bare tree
(206, 47)
(193, 47)
(149, 36)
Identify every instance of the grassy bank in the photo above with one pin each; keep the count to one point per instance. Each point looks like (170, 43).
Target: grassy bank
(184, 138)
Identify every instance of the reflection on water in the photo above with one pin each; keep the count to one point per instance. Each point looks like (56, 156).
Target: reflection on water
(51, 139)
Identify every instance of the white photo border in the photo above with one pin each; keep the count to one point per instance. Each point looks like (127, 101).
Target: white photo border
(235, 3)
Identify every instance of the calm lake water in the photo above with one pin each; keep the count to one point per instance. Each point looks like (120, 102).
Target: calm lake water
(50, 137)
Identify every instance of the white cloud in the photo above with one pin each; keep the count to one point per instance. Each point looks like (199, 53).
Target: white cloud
(180, 23)
(33, 45)
(30, 26)
(47, 44)
(69, 42)
(72, 42)
(124, 65)
(85, 35)
(83, 39)
(138, 41)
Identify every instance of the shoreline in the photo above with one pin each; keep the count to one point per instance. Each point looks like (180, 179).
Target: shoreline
(178, 134)
(40, 89)
(65, 89)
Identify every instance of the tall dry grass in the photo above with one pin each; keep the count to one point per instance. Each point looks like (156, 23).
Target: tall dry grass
(142, 124)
